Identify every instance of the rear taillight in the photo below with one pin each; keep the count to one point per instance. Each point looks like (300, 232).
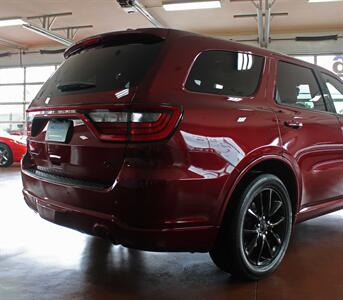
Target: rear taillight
(122, 123)
(29, 121)
(136, 123)
(110, 125)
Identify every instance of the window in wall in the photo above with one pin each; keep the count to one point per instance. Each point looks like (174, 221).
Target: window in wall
(11, 113)
(336, 91)
(31, 91)
(11, 75)
(297, 86)
(307, 58)
(39, 74)
(333, 63)
(11, 93)
(16, 128)
(18, 86)
(225, 73)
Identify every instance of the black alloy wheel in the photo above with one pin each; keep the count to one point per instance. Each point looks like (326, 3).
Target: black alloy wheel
(264, 227)
(6, 158)
(256, 230)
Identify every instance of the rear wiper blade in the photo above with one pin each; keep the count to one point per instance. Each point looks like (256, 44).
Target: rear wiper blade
(74, 86)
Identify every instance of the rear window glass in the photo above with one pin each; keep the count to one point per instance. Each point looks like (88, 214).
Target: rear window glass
(225, 73)
(102, 68)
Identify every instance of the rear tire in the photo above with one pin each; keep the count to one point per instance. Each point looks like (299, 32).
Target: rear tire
(6, 155)
(256, 230)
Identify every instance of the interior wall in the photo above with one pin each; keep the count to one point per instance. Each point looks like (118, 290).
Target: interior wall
(292, 47)
(30, 59)
(299, 48)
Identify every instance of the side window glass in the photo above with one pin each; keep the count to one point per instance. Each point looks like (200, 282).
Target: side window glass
(225, 73)
(335, 88)
(297, 86)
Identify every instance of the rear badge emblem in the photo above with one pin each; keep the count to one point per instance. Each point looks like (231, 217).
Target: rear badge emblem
(83, 137)
(241, 119)
(47, 100)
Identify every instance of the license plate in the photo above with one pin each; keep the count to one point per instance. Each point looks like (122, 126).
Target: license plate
(57, 131)
(46, 213)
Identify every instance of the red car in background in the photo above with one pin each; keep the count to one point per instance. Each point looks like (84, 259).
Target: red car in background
(169, 141)
(12, 148)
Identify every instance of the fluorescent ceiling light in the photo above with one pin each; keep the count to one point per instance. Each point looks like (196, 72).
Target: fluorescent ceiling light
(318, 1)
(174, 6)
(12, 22)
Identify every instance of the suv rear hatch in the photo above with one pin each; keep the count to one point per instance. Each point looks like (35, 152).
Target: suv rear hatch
(82, 119)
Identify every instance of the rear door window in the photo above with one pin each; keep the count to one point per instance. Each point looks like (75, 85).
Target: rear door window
(297, 86)
(335, 88)
(101, 68)
(225, 73)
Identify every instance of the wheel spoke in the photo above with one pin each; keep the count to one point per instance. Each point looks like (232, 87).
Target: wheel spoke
(269, 249)
(270, 201)
(3, 156)
(276, 208)
(261, 204)
(276, 236)
(261, 250)
(251, 212)
(252, 245)
(277, 222)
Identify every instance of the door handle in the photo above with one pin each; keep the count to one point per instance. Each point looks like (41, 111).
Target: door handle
(294, 124)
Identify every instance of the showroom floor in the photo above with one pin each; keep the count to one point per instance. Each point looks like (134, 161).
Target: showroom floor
(40, 260)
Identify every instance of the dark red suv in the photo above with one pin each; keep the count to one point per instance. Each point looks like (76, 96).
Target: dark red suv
(166, 140)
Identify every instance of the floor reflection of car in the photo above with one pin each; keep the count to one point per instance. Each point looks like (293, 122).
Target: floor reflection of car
(12, 148)
(170, 141)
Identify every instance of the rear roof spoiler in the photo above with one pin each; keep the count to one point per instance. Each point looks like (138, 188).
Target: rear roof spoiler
(148, 36)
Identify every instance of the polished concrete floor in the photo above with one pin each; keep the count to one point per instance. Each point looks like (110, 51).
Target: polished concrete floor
(40, 260)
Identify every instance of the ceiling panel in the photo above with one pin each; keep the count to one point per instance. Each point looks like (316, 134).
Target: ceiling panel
(106, 15)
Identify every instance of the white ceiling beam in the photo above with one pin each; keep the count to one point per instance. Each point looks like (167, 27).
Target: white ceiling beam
(48, 20)
(264, 16)
(48, 34)
(142, 9)
(70, 31)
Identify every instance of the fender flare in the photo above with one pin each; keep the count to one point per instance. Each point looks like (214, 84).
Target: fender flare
(232, 182)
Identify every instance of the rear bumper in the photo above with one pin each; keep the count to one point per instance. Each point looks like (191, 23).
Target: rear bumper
(197, 239)
(156, 204)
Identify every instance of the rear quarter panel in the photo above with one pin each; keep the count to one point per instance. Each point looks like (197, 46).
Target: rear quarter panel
(217, 137)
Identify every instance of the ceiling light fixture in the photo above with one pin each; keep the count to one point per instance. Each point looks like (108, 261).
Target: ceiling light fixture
(12, 22)
(175, 6)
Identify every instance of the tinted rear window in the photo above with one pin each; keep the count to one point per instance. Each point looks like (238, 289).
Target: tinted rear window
(225, 73)
(102, 68)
